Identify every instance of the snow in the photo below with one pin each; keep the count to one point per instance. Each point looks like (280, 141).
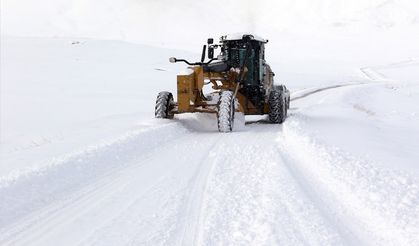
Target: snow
(84, 162)
(64, 101)
(186, 72)
(239, 36)
(191, 24)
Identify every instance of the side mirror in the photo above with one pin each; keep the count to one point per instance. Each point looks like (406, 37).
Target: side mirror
(210, 41)
(172, 60)
(210, 52)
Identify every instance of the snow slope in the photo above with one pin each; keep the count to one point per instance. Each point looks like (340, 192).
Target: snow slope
(189, 22)
(71, 92)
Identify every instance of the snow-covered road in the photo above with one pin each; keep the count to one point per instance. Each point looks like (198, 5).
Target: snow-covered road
(173, 185)
(342, 170)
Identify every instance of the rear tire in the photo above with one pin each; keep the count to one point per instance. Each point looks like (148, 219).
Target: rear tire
(164, 104)
(225, 112)
(277, 106)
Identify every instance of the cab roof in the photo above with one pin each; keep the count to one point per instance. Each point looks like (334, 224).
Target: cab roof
(240, 36)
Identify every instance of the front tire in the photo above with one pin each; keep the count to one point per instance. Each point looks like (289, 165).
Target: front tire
(164, 105)
(277, 106)
(225, 112)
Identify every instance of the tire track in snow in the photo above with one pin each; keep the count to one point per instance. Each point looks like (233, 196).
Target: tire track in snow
(348, 236)
(308, 92)
(355, 192)
(176, 211)
(252, 199)
(373, 74)
(194, 205)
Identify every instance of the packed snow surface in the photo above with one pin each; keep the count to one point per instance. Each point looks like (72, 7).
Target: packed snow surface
(84, 162)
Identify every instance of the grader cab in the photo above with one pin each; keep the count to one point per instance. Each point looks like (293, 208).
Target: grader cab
(241, 81)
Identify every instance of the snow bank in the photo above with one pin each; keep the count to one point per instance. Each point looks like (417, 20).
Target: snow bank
(63, 95)
(75, 170)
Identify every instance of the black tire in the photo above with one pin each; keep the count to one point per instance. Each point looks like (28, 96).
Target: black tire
(277, 106)
(164, 105)
(225, 111)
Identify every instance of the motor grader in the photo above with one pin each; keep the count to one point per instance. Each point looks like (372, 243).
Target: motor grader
(241, 81)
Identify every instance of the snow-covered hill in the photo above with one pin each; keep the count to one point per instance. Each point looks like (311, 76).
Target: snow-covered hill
(188, 22)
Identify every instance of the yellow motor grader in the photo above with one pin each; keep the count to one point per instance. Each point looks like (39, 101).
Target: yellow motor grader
(240, 78)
